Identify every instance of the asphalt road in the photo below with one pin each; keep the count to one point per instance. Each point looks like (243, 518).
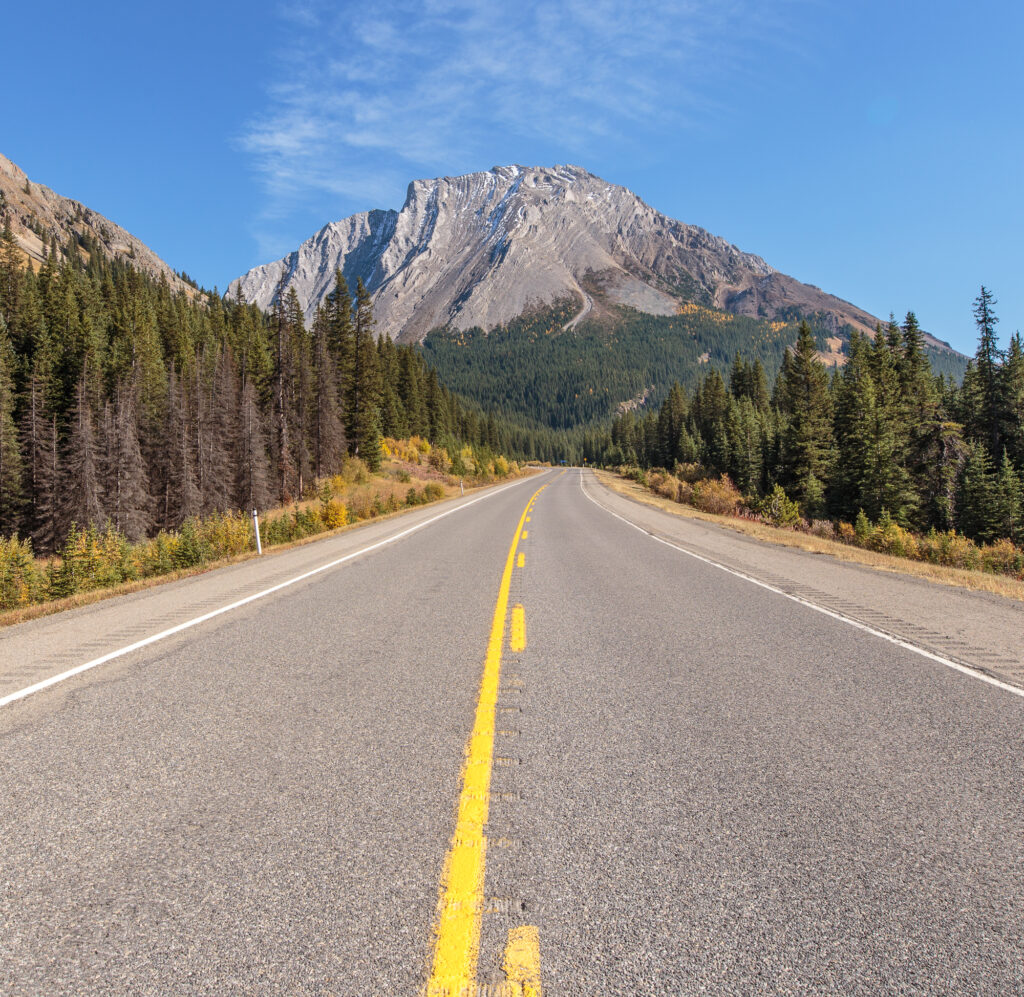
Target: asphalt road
(695, 785)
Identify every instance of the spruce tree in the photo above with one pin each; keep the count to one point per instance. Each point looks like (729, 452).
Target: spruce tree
(807, 442)
(126, 483)
(988, 360)
(81, 488)
(11, 485)
(1012, 399)
(328, 434)
(977, 500)
(362, 425)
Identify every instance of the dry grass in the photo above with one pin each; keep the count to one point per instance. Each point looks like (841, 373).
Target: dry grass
(978, 581)
(419, 475)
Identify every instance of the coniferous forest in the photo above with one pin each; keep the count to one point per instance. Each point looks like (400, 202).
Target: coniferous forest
(123, 403)
(883, 438)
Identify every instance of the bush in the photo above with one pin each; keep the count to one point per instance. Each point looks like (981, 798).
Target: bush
(1004, 558)
(778, 509)
(888, 537)
(334, 514)
(949, 548)
(21, 581)
(823, 528)
(720, 496)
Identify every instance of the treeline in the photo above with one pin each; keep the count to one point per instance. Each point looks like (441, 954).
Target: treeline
(884, 436)
(123, 402)
(531, 372)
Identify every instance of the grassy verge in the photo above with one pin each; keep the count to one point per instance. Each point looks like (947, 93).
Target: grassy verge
(979, 581)
(96, 564)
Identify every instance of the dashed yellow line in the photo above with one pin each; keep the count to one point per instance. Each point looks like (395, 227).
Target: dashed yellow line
(517, 640)
(526, 533)
(522, 962)
(521, 561)
(461, 903)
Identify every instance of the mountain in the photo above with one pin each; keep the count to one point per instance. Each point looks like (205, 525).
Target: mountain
(35, 211)
(486, 248)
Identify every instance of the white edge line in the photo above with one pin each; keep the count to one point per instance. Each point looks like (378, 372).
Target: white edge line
(120, 652)
(898, 641)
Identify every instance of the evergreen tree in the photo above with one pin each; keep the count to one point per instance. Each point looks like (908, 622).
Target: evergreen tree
(328, 434)
(81, 488)
(988, 361)
(1012, 398)
(11, 493)
(1009, 502)
(126, 483)
(362, 423)
(978, 498)
(803, 397)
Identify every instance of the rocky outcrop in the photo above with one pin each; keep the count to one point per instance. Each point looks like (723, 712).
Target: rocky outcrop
(33, 209)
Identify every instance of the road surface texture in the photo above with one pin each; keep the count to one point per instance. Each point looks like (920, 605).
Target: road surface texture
(525, 747)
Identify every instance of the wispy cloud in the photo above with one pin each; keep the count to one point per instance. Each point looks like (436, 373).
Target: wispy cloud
(370, 96)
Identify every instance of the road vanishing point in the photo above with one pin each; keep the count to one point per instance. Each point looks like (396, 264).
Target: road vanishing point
(541, 739)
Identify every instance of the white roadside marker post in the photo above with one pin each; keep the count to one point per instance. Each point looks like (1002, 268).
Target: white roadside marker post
(256, 529)
(462, 491)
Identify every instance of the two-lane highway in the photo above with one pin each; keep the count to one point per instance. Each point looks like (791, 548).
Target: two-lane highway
(524, 747)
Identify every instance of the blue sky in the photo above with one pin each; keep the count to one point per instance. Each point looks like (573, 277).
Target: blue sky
(873, 149)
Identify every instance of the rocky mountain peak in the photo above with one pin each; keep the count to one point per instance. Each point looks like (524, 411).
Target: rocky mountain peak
(482, 248)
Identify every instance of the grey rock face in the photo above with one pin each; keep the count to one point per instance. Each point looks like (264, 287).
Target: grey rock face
(26, 204)
(483, 248)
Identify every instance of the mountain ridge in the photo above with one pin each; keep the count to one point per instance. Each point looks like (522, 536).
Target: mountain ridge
(483, 248)
(35, 210)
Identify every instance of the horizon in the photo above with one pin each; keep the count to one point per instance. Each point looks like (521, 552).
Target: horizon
(905, 201)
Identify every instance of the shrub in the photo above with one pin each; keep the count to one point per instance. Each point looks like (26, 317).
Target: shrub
(847, 534)
(719, 496)
(21, 581)
(334, 514)
(888, 537)
(432, 492)
(823, 528)
(778, 509)
(949, 548)
(1004, 558)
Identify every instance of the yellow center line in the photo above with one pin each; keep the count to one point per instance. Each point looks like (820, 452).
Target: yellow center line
(461, 902)
(526, 533)
(521, 561)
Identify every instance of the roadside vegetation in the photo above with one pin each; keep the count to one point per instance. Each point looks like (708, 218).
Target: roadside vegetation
(883, 454)
(94, 558)
(777, 518)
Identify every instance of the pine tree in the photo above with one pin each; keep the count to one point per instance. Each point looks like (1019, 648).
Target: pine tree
(1009, 502)
(410, 389)
(126, 483)
(803, 397)
(988, 360)
(181, 499)
(328, 434)
(252, 488)
(11, 486)
(10, 281)
(81, 489)
(977, 501)
(362, 422)
(1012, 399)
